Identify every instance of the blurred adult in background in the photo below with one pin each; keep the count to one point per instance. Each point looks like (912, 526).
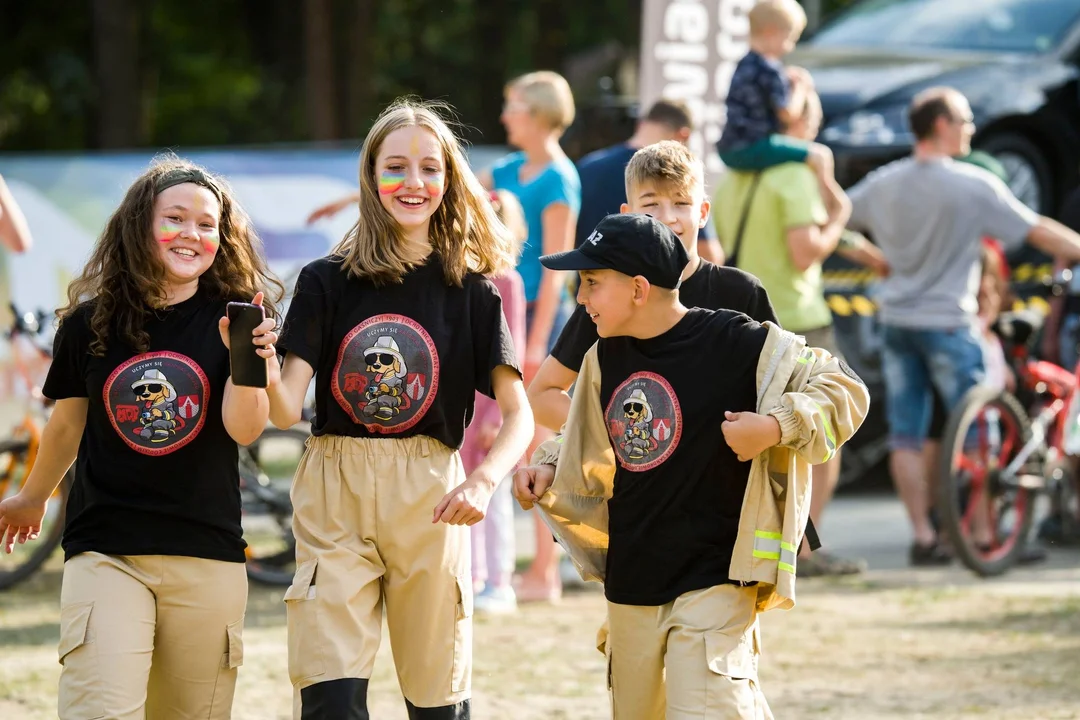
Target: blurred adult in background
(538, 108)
(929, 214)
(787, 231)
(603, 186)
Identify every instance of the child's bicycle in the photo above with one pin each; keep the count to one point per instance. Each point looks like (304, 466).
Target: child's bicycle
(1001, 449)
(18, 452)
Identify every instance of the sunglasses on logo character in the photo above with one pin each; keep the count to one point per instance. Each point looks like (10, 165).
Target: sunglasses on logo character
(634, 407)
(152, 389)
(379, 358)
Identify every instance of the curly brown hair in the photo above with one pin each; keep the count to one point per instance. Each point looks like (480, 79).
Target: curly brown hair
(124, 280)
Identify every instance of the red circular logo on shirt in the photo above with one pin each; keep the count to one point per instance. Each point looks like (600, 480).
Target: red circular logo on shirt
(157, 401)
(387, 373)
(644, 421)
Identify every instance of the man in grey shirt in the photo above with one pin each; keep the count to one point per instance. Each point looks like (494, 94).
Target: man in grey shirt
(928, 214)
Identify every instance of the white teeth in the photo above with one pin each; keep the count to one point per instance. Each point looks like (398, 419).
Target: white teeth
(411, 201)
(184, 251)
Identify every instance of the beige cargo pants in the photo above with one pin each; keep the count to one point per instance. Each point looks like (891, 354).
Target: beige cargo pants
(365, 539)
(695, 657)
(150, 636)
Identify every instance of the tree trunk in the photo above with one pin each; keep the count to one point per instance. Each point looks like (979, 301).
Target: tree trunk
(116, 67)
(492, 25)
(360, 69)
(319, 69)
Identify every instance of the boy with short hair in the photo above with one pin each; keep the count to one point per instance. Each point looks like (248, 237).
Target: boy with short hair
(690, 540)
(764, 97)
(666, 181)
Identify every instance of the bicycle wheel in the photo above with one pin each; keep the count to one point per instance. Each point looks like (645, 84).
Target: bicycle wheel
(266, 471)
(986, 515)
(26, 559)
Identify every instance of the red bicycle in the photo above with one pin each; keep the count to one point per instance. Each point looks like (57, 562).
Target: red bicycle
(1002, 449)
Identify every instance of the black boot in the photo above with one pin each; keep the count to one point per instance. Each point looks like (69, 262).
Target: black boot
(344, 699)
(446, 712)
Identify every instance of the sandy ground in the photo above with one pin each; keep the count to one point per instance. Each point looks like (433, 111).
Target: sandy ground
(890, 644)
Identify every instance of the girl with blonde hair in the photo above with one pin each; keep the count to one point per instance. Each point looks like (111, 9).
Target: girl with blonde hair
(399, 327)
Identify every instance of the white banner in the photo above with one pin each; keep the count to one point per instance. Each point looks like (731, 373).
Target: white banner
(689, 49)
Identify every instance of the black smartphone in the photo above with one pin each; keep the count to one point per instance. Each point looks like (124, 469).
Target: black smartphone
(247, 367)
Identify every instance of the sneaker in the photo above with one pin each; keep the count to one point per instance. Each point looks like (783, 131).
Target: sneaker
(495, 600)
(934, 555)
(824, 564)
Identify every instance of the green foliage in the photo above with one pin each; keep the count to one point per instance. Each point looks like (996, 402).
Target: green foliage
(234, 71)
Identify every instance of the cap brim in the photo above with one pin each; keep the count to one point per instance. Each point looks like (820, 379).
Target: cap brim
(570, 260)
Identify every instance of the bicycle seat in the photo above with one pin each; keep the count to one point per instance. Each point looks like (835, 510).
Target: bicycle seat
(1019, 327)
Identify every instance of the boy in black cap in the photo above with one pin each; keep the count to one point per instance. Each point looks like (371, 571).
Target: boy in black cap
(690, 538)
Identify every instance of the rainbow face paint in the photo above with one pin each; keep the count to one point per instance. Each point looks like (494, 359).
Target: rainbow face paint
(434, 185)
(210, 241)
(168, 232)
(391, 182)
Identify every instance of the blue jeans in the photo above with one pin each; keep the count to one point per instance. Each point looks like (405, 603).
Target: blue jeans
(915, 363)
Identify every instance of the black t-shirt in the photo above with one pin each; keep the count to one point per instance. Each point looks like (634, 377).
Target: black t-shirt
(398, 360)
(157, 471)
(711, 287)
(678, 491)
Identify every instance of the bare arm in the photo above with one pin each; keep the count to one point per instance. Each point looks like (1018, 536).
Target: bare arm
(14, 232)
(856, 248)
(59, 446)
(559, 226)
(333, 208)
(287, 396)
(1055, 239)
(244, 410)
(549, 393)
(486, 179)
(21, 514)
(467, 503)
(517, 429)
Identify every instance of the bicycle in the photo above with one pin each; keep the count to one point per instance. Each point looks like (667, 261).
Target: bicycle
(1002, 449)
(20, 450)
(266, 471)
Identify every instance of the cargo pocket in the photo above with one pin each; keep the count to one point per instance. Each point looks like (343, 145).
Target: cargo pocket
(463, 636)
(732, 682)
(301, 603)
(225, 687)
(80, 683)
(234, 652)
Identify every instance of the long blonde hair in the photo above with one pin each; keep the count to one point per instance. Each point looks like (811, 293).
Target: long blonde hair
(464, 230)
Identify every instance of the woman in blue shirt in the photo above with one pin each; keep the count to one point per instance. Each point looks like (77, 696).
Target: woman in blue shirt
(539, 107)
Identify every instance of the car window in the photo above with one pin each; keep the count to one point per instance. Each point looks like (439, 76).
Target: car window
(1022, 26)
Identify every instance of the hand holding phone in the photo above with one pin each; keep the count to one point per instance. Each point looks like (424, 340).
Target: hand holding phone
(248, 368)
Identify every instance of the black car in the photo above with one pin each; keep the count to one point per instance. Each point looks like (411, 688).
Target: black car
(1017, 61)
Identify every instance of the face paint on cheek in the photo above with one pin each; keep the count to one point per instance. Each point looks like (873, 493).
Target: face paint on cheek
(390, 182)
(167, 232)
(434, 185)
(211, 240)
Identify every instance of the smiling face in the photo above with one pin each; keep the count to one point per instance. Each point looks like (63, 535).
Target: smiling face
(608, 297)
(683, 209)
(186, 219)
(410, 171)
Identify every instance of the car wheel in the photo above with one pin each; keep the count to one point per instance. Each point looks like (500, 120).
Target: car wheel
(1030, 178)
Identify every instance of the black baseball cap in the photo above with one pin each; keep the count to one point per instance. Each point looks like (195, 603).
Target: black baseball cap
(629, 243)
